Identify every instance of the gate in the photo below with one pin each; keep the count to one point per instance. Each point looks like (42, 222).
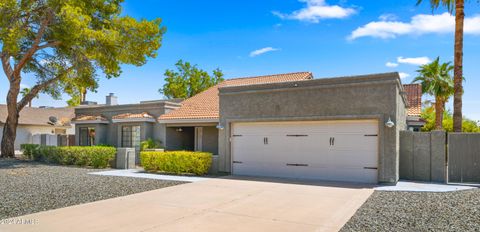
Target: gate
(464, 157)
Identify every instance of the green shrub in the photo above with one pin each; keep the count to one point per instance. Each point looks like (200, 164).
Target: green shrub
(29, 150)
(95, 156)
(177, 162)
(150, 144)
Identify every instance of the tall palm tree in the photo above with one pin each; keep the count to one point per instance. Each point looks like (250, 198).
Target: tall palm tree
(458, 6)
(436, 80)
(26, 91)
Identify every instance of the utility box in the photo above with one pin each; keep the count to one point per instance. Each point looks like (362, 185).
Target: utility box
(125, 158)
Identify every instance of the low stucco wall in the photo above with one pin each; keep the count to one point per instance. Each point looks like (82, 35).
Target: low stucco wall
(362, 97)
(25, 133)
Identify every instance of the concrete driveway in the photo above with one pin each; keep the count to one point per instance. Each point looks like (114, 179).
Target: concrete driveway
(226, 204)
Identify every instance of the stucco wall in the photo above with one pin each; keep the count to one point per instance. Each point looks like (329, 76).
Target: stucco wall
(210, 140)
(361, 97)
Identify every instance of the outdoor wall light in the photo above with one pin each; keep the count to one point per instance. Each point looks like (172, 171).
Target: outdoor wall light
(389, 123)
(179, 129)
(220, 127)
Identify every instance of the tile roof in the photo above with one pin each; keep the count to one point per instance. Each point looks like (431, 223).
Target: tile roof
(205, 105)
(133, 116)
(89, 118)
(414, 99)
(40, 116)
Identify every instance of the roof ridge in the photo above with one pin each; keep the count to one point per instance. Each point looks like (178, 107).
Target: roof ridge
(278, 74)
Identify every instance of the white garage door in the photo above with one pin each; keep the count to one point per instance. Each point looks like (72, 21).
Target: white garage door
(324, 150)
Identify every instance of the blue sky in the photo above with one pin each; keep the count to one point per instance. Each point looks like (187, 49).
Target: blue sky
(329, 38)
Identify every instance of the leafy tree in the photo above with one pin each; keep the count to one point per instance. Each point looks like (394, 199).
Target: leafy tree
(188, 80)
(78, 91)
(458, 6)
(428, 114)
(24, 92)
(64, 43)
(436, 80)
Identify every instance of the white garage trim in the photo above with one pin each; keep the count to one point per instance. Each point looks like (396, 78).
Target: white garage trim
(339, 150)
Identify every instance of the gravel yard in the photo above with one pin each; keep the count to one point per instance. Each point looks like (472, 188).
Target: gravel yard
(418, 211)
(29, 187)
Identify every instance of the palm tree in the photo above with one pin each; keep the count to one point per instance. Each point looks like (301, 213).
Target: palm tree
(458, 6)
(26, 91)
(436, 80)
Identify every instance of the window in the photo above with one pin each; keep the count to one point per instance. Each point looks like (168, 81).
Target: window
(87, 136)
(131, 136)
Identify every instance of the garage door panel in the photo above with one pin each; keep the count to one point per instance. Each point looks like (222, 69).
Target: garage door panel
(334, 174)
(369, 126)
(346, 159)
(280, 128)
(305, 150)
(355, 142)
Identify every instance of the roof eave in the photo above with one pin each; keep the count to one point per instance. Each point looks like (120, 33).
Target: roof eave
(189, 120)
(90, 122)
(133, 120)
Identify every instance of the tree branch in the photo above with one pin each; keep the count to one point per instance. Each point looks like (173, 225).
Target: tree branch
(39, 87)
(28, 55)
(7, 68)
(48, 45)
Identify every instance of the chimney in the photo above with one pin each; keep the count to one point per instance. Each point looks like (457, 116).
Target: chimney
(111, 100)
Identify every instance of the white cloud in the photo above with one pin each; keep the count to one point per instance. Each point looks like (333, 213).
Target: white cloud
(403, 75)
(315, 10)
(391, 64)
(388, 17)
(388, 28)
(414, 60)
(262, 51)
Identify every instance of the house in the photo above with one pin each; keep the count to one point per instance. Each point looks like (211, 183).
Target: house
(285, 125)
(121, 125)
(34, 122)
(414, 110)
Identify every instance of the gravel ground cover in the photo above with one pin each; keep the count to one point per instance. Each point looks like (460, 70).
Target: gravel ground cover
(28, 187)
(418, 211)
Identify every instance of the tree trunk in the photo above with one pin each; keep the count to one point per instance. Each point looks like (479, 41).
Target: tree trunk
(30, 104)
(438, 113)
(83, 94)
(458, 63)
(10, 127)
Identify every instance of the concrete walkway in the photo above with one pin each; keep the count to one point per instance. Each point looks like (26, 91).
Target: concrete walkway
(219, 204)
(410, 186)
(138, 173)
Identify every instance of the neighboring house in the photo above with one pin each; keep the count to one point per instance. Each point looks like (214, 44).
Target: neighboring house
(285, 125)
(34, 122)
(414, 110)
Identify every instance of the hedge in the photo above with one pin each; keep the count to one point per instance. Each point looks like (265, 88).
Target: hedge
(176, 162)
(94, 156)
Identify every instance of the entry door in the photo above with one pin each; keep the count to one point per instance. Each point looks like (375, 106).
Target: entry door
(324, 150)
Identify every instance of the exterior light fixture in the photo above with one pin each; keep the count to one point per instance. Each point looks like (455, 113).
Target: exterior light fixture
(220, 127)
(179, 129)
(389, 123)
